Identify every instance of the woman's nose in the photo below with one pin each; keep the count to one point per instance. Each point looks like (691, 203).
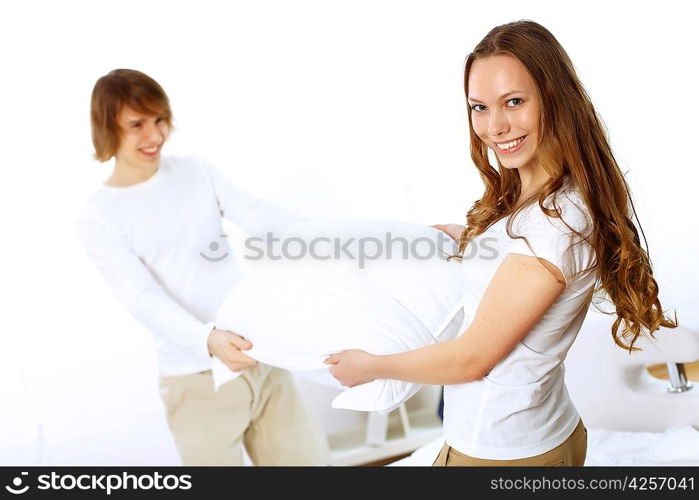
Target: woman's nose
(498, 124)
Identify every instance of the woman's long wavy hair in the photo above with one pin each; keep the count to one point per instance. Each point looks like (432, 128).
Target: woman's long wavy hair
(573, 148)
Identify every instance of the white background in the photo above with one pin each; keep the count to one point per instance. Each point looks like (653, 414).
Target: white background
(346, 108)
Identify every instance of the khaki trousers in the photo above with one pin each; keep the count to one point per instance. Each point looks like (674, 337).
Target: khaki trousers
(569, 453)
(260, 409)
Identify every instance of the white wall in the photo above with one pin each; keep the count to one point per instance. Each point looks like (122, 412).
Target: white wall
(352, 108)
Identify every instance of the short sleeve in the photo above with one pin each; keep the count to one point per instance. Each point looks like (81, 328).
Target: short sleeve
(555, 239)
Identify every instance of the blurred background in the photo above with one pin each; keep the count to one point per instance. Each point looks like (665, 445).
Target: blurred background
(331, 107)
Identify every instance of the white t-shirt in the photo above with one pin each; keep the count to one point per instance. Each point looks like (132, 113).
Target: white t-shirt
(522, 408)
(161, 248)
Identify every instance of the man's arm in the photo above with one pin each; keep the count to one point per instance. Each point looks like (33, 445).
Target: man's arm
(150, 303)
(256, 216)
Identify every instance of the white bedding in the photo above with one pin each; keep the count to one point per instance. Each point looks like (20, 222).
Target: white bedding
(676, 446)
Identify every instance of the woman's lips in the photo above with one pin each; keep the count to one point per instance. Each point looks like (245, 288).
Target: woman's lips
(513, 149)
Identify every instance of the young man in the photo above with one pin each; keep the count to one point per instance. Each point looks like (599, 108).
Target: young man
(153, 230)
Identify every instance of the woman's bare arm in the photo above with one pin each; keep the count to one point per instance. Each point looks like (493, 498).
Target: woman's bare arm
(519, 294)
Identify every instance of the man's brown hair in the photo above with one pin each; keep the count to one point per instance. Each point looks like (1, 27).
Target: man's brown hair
(116, 89)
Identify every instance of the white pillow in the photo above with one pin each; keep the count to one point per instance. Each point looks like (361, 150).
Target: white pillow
(298, 311)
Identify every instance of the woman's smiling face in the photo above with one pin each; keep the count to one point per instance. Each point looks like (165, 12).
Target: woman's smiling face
(505, 109)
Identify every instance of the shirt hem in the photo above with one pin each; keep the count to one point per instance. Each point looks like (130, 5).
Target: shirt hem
(500, 453)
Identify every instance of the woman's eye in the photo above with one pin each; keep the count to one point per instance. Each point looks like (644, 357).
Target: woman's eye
(510, 103)
(518, 99)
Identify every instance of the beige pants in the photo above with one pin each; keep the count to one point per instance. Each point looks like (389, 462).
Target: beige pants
(261, 408)
(569, 453)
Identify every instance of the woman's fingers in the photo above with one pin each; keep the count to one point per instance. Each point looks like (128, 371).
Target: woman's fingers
(333, 359)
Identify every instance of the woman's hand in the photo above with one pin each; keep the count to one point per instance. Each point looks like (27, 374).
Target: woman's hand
(352, 367)
(453, 230)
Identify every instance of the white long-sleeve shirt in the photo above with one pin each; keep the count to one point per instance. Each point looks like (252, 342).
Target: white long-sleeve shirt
(161, 248)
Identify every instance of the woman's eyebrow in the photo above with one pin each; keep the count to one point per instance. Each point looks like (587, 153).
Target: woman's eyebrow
(501, 97)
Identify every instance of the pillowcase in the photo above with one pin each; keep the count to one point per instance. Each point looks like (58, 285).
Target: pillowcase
(381, 286)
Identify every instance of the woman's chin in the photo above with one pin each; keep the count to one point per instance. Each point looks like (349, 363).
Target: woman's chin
(510, 166)
(514, 164)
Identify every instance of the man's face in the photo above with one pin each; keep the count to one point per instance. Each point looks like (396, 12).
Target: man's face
(142, 138)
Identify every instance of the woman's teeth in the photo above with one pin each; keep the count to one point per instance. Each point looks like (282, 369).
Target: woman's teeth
(510, 144)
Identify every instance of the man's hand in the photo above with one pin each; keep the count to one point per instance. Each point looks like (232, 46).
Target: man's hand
(453, 230)
(227, 347)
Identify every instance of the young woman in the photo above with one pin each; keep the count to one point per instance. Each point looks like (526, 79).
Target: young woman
(559, 213)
